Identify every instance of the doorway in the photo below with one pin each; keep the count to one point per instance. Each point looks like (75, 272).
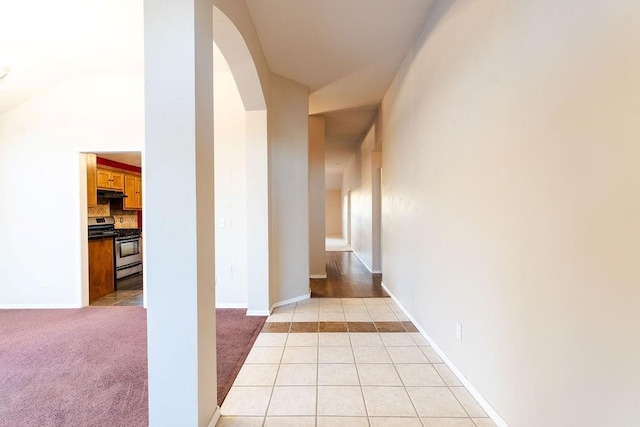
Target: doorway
(347, 237)
(111, 202)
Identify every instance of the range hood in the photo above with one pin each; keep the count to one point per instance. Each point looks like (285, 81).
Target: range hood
(111, 194)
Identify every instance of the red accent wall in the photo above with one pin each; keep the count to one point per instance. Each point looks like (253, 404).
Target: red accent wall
(114, 164)
(126, 167)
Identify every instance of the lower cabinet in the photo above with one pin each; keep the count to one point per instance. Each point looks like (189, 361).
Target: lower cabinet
(101, 272)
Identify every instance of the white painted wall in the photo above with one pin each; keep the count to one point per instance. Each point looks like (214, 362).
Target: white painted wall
(289, 191)
(230, 155)
(333, 213)
(511, 202)
(257, 214)
(317, 267)
(358, 177)
(235, 35)
(40, 142)
(180, 235)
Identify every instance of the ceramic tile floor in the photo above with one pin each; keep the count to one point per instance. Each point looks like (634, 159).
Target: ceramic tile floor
(121, 298)
(346, 378)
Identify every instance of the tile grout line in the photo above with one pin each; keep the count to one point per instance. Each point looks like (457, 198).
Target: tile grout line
(273, 387)
(454, 395)
(402, 382)
(317, 375)
(355, 363)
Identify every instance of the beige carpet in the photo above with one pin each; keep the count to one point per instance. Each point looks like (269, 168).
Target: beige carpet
(336, 244)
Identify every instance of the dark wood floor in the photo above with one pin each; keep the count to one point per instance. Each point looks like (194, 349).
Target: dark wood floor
(347, 277)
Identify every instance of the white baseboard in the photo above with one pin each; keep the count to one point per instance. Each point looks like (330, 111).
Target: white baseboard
(290, 301)
(37, 306)
(215, 418)
(258, 313)
(318, 276)
(362, 261)
(493, 414)
(231, 305)
(376, 272)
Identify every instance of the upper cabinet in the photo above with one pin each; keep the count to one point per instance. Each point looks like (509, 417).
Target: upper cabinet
(133, 191)
(110, 180)
(92, 194)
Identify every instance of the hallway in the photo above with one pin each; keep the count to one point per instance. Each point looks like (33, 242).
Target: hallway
(347, 277)
(346, 361)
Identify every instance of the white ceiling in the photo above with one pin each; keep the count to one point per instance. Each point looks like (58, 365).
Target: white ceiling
(346, 51)
(44, 42)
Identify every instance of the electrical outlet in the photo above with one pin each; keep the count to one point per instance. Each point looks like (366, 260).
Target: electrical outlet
(459, 331)
(221, 223)
(44, 284)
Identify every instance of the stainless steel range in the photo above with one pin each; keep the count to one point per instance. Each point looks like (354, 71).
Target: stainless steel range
(128, 252)
(101, 227)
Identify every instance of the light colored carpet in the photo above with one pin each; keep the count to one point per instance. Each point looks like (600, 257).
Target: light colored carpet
(336, 244)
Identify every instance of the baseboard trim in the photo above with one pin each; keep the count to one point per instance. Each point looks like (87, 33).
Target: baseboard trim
(318, 276)
(290, 301)
(37, 306)
(493, 414)
(231, 305)
(215, 418)
(258, 313)
(362, 261)
(376, 272)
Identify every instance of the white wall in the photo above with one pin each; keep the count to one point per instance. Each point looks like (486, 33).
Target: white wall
(317, 267)
(180, 233)
(289, 191)
(358, 177)
(235, 35)
(40, 142)
(230, 156)
(511, 202)
(333, 213)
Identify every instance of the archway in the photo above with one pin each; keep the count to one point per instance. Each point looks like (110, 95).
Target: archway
(179, 162)
(233, 47)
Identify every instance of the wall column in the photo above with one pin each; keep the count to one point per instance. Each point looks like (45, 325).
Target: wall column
(317, 268)
(179, 212)
(288, 148)
(257, 214)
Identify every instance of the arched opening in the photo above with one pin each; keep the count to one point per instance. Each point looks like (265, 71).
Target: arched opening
(242, 242)
(179, 159)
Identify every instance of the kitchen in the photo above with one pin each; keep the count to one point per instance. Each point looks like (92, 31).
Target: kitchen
(114, 201)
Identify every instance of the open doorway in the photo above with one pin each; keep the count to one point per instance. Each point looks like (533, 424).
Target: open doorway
(347, 236)
(113, 263)
(335, 230)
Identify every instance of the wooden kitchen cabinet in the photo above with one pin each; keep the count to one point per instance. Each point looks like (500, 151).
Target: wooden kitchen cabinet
(110, 180)
(101, 273)
(92, 189)
(133, 191)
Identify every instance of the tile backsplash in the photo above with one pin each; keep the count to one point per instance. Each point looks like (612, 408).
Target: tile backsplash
(124, 219)
(103, 209)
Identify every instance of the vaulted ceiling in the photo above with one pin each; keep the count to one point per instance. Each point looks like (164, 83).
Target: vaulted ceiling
(44, 42)
(346, 51)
